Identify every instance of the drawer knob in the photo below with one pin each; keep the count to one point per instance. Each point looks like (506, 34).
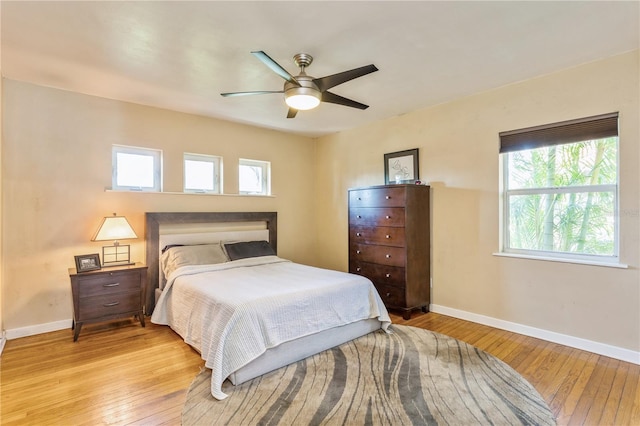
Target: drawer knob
(359, 217)
(358, 269)
(357, 251)
(106, 305)
(388, 294)
(388, 275)
(358, 234)
(387, 197)
(388, 256)
(359, 198)
(388, 217)
(111, 285)
(387, 236)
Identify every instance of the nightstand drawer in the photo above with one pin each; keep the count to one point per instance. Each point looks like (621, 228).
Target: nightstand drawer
(109, 304)
(109, 284)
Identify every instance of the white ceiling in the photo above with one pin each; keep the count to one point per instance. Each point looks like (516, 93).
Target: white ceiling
(182, 55)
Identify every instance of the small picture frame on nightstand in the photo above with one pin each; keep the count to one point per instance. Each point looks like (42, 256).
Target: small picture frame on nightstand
(88, 262)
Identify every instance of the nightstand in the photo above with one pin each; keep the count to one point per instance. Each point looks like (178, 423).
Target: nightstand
(107, 294)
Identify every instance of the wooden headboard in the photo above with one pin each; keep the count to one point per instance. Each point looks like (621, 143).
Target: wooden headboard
(152, 236)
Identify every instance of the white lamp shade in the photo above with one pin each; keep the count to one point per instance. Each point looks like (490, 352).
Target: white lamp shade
(114, 228)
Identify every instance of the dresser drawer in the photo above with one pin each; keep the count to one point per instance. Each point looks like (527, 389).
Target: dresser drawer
(392, 296)
(116, 282)
(377, 197)
(110, 304)
(382, 235)
(379, 274)
(388, 216)
(383, 255)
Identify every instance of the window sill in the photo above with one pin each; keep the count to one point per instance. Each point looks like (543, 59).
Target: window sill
(555, 259)
(190, 193)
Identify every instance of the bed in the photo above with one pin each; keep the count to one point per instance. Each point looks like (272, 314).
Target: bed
(216, 280)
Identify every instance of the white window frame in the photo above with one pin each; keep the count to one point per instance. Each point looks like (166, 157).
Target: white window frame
(216, 178)
(506, 194)
(505, 217)
(266, 173)
(155, 154)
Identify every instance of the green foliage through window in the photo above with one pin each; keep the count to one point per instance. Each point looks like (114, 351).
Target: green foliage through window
(562, 198)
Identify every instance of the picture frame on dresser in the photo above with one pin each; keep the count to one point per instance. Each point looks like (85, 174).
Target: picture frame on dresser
(88, 262)
(401, 167)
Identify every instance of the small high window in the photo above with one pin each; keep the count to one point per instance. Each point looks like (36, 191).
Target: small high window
(254, 177)
(136, 169)
(202, 173)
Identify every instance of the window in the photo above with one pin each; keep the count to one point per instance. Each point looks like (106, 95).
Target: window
(560, 189)
(202, 173)
(254, 177)
(136, 169)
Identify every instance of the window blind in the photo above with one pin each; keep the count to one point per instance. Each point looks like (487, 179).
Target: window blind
(581, 129)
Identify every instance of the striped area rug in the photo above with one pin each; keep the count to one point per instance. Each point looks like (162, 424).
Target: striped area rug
(413, 376)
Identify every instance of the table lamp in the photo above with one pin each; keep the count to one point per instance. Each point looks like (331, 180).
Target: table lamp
(115, 228)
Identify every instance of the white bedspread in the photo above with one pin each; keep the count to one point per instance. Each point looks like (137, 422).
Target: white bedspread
(233, 312)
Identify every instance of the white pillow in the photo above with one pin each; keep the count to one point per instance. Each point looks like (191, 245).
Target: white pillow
(201, 254)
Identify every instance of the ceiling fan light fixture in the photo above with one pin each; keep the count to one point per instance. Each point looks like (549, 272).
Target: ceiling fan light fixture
(304, 92)
(302, 98)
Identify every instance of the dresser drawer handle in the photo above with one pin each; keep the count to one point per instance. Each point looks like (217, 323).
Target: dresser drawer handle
(388, 217)
(388, 197)
(111, 285)
(388, 256)
(387, 236)
(359, 217)
(358, 269)
(357, 251)
(359, 198)
(106, 305)
(388, 275)
(358, 234)
(388, 294)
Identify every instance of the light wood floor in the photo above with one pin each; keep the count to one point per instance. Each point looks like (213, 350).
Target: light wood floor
(133, 375)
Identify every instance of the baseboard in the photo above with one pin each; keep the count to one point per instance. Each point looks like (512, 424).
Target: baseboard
(3, 340)
(550, 336)
(16, 333)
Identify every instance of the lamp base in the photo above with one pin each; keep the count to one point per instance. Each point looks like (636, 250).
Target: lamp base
(116, 255)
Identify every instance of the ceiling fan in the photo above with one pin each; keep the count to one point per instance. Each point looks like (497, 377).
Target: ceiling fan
(304, 92)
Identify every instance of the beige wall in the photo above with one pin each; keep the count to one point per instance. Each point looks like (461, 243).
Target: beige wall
(57, 163)
(2, 328)
(458, 144)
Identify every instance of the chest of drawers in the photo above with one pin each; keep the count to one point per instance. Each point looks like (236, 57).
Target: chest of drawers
(107, 294)
(389, 243)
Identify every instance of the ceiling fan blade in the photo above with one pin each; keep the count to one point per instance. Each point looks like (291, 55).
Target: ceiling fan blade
(275, 67)
(292, 113)
(337, 99)
(262, 92)
(326, 83)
